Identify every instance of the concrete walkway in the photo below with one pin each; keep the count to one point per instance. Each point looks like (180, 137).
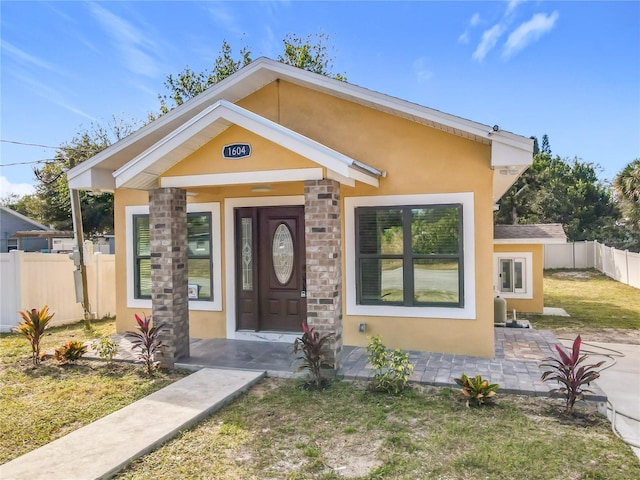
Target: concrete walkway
(104, 447)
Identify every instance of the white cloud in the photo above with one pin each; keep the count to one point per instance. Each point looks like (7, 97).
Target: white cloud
(464, 37)
(489, 39)
(420, 69)
(511, 6)
(26, 58)
(529, 32)
(7, 188)
(134, 44)
(223, 15)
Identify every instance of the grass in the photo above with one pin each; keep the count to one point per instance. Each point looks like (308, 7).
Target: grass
(282, 431)
(40, 404)
(594, 301)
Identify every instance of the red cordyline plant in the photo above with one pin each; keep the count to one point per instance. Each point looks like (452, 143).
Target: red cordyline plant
(310, 345)
(569, 371)
(146, 340)
(34, 323)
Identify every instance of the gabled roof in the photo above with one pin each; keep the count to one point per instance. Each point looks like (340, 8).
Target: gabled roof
(24, 218)
(143, 171)
(511, 154)
(531, 233)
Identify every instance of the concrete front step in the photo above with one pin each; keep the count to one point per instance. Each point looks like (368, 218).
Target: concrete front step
(106, 446)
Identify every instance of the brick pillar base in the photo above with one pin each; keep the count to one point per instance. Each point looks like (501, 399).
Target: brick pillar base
(169, 271)
(324, 271)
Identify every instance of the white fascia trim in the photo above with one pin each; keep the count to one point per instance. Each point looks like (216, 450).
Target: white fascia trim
(529, 241)
(228, 112)
(216, 257)
(237, 178)
(229, 256)
(467, 312)
(528, 271)
(365, 96)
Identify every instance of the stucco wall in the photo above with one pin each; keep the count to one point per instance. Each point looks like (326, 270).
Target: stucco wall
(536, 304)
(417, 159)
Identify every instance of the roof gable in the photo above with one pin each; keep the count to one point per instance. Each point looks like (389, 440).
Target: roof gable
(23, 218)
(511, 151)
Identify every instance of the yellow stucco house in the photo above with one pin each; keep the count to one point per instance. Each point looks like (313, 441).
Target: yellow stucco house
(519, 263)
(280, 196)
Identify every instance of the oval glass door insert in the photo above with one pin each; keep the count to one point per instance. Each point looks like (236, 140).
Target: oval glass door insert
(283, 254)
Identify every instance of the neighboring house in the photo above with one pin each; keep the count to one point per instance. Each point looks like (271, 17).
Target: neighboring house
(12, 222)
(308, 199)
(519, 263)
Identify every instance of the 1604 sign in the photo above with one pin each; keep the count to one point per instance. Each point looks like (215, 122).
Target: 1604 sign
(236, 150)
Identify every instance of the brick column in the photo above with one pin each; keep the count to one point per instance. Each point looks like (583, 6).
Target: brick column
(169, 270)
(324, 270)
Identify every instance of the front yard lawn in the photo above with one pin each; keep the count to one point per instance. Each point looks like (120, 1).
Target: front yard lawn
(601, 309)
(281, 431)
(40, 404)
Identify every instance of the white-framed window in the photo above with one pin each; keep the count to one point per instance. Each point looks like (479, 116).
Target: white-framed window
(410, 255)
(203, 252)
(514, 274)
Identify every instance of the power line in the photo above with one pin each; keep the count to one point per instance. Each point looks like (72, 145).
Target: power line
(28, 144)
(46, 160)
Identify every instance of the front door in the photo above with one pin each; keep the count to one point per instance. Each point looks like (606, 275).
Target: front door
(270, 268)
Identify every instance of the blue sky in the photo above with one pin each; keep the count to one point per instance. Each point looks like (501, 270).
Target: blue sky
(567, 69)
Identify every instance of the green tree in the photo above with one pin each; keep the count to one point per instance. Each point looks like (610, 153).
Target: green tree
(627, 187)
(310, 53)
(187, 84)
(30, 206)
(554, 190)
(53, 189)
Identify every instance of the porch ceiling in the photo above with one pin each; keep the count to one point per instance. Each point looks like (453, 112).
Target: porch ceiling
(143, 171)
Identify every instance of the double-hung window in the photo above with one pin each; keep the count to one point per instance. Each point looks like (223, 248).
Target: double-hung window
(514, 274)
(199, 250)
(409, 255)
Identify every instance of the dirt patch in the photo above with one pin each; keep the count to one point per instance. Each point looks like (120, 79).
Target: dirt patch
(351, 456)
(605, 335)
(576, 274)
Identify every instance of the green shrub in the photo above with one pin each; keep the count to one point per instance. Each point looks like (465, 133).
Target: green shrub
(311, 345)
(70, 352)
(392, 367)
(105, 348)
(34, 323)
(476, 390)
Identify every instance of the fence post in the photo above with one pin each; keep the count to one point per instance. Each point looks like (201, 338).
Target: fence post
(626, 261)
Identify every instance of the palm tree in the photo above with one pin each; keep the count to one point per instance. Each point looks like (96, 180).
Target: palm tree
(627, 185)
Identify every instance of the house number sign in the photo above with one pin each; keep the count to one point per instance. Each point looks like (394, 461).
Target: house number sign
(236, 150)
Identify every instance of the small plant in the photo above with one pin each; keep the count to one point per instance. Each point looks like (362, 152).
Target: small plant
(569, 371)
(34, 323)
(70, 352)
(310, 345)
(146, 340)
(393, 367)
(476, 390)
(105, 347)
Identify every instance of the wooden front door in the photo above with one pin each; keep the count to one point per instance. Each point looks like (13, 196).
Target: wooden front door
(270, 268)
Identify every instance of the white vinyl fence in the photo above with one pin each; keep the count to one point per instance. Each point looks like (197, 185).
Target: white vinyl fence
(32, 280)
(620, 265)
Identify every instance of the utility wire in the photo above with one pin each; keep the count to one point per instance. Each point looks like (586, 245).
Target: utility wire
(27, 144)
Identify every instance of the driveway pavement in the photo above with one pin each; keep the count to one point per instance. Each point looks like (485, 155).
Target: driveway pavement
(621, 382)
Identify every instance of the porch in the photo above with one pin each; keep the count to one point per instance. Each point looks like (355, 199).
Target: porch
(515, 366)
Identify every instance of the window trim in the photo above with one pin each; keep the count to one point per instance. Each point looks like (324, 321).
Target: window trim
(527, 294)
(213, 208)
(468, 267)
(409, 257)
